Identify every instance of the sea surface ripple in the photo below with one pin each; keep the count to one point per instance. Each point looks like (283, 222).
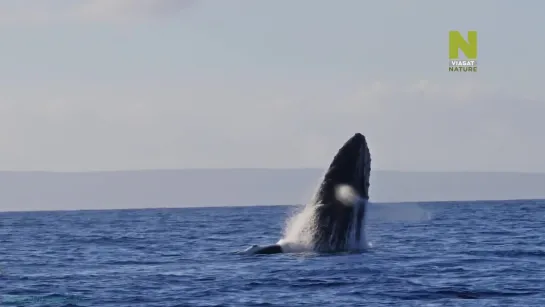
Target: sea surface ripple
(434, 254)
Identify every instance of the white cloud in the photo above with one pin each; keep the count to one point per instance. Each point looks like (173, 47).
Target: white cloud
(131, 8)
(55, 11)
(419, 126)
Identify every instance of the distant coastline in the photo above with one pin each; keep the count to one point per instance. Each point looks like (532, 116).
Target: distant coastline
(44, 190)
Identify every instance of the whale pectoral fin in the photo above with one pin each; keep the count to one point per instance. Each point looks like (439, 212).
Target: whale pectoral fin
(269, 249)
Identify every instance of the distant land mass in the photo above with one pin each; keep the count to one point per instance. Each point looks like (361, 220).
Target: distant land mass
(25, 191)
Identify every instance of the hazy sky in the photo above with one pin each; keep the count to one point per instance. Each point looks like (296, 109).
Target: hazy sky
(133, 84)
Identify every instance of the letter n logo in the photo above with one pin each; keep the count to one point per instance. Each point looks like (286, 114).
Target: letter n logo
(457, 43)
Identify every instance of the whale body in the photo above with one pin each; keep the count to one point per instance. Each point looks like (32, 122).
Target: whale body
(340, 202)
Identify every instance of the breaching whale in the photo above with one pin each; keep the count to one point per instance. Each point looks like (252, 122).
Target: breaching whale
(338, 217)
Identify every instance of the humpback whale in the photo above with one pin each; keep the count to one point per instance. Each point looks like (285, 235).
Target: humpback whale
(340, 202)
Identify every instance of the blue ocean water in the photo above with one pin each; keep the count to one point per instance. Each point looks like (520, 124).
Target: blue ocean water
(443, 254)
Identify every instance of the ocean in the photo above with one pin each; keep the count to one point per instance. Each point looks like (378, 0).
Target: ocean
(433, 254)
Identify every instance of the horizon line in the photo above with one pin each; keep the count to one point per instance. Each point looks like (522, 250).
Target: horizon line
(426, 202)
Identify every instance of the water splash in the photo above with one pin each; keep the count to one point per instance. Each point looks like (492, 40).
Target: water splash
(300, 227)
(299, 230)
(346, 195)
